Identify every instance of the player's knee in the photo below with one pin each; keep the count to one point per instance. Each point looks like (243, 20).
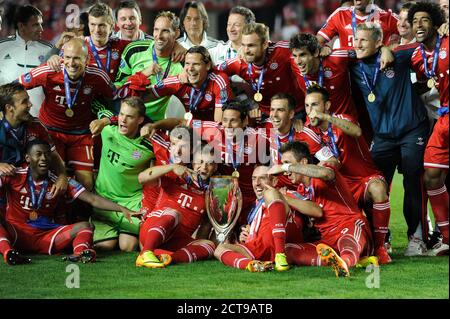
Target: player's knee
(220, 249)
(83, 225)
(128, 243)
(433, 177)
(204, 242)
(378, 191)
(106, 245)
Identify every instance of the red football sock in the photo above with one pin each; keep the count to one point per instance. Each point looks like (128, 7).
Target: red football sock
(348, 250)
(83, 240)
(439, 204)
(192, 253)
(234, 259)
(381, 213)
(277, 219)
(158, 230)
(302, 255)
(5, 245)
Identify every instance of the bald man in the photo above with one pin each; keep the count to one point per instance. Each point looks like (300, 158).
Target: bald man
(66, 111)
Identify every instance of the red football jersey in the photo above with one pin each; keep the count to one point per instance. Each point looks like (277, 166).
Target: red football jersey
(256, 144)
(33, 130)
(354, 154)
(186, 198)
(95, 83)
(281, 74)
(216, 92)
(117, 46)
(441, 68)
(334, 198)
(19, 196)
(339, 23)
(336, 79)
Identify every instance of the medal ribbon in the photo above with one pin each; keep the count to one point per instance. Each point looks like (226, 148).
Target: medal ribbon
(70, 100)
(369, 17)
(166, 71)
(319, 77)
(256, 87)
(371, 86)
(334, 148)
(239, 154)
(430, 73)
(254, 211)
(290, 139)
(442, 110)
(36, 202)
(97, 58)
(195, 99)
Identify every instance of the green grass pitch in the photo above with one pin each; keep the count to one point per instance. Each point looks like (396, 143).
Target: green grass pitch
(115, 276)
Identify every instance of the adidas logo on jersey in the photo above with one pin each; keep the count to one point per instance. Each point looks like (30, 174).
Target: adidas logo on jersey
(57, 88)
(23, 190)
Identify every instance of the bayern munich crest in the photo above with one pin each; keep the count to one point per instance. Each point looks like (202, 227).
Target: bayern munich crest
(442, 54)
(115, 55)
(274, 65)
(48, 196)
(87, 90)
(390, 73)
(136, 155)
(208, 97)
(328, 73)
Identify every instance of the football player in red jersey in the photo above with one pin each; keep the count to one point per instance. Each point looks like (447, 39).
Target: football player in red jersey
(343, 22)
(268, 67)
(343, 227)
(33, 214)
(430, 61)
(342, 135)
(200, 88)
(66, 111)
(271, 224)
(166, 233)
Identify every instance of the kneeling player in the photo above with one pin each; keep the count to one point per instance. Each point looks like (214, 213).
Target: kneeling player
(343, 227)
(271, 225)
(179, 212)
(32, 209)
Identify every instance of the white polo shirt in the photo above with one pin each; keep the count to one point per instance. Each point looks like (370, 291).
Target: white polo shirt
(18, 57)
(207, 42)
(222, 52)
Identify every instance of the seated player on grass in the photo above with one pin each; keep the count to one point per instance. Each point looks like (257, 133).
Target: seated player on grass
(343, 227)
(166, 234)
(32, 211)
(271, 224)
(10, 255)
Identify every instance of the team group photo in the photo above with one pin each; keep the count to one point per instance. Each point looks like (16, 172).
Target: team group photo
(294, 149)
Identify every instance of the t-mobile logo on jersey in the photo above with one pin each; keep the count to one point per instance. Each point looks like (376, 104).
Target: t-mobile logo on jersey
(184, 200)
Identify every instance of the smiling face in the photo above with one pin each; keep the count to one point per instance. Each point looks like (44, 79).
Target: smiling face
(280, 115)
(305, 60)
(164, 35)
(75, 58)
(423, 28)
(39, 159)
(261, 178)
(365, 45)
(128, 22)
(100, 29)
(289, 158)
(403, 26)
(232, 122)
(234, 26)
(20, 111)
(253, 48)
(196, 68)
(129, 120)
(360, 5)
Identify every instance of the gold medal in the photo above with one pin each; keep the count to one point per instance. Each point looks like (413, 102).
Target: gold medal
(258, 97)
(430, 83)
(371, 97)
(235, 174)
(33, 215)
(69, 113)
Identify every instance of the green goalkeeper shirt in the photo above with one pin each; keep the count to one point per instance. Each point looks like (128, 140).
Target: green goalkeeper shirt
(138, 56)
(121, 162)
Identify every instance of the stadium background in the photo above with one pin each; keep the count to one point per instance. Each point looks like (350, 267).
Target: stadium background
(308, 15)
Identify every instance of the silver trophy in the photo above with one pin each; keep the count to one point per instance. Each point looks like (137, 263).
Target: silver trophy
(223, 204)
